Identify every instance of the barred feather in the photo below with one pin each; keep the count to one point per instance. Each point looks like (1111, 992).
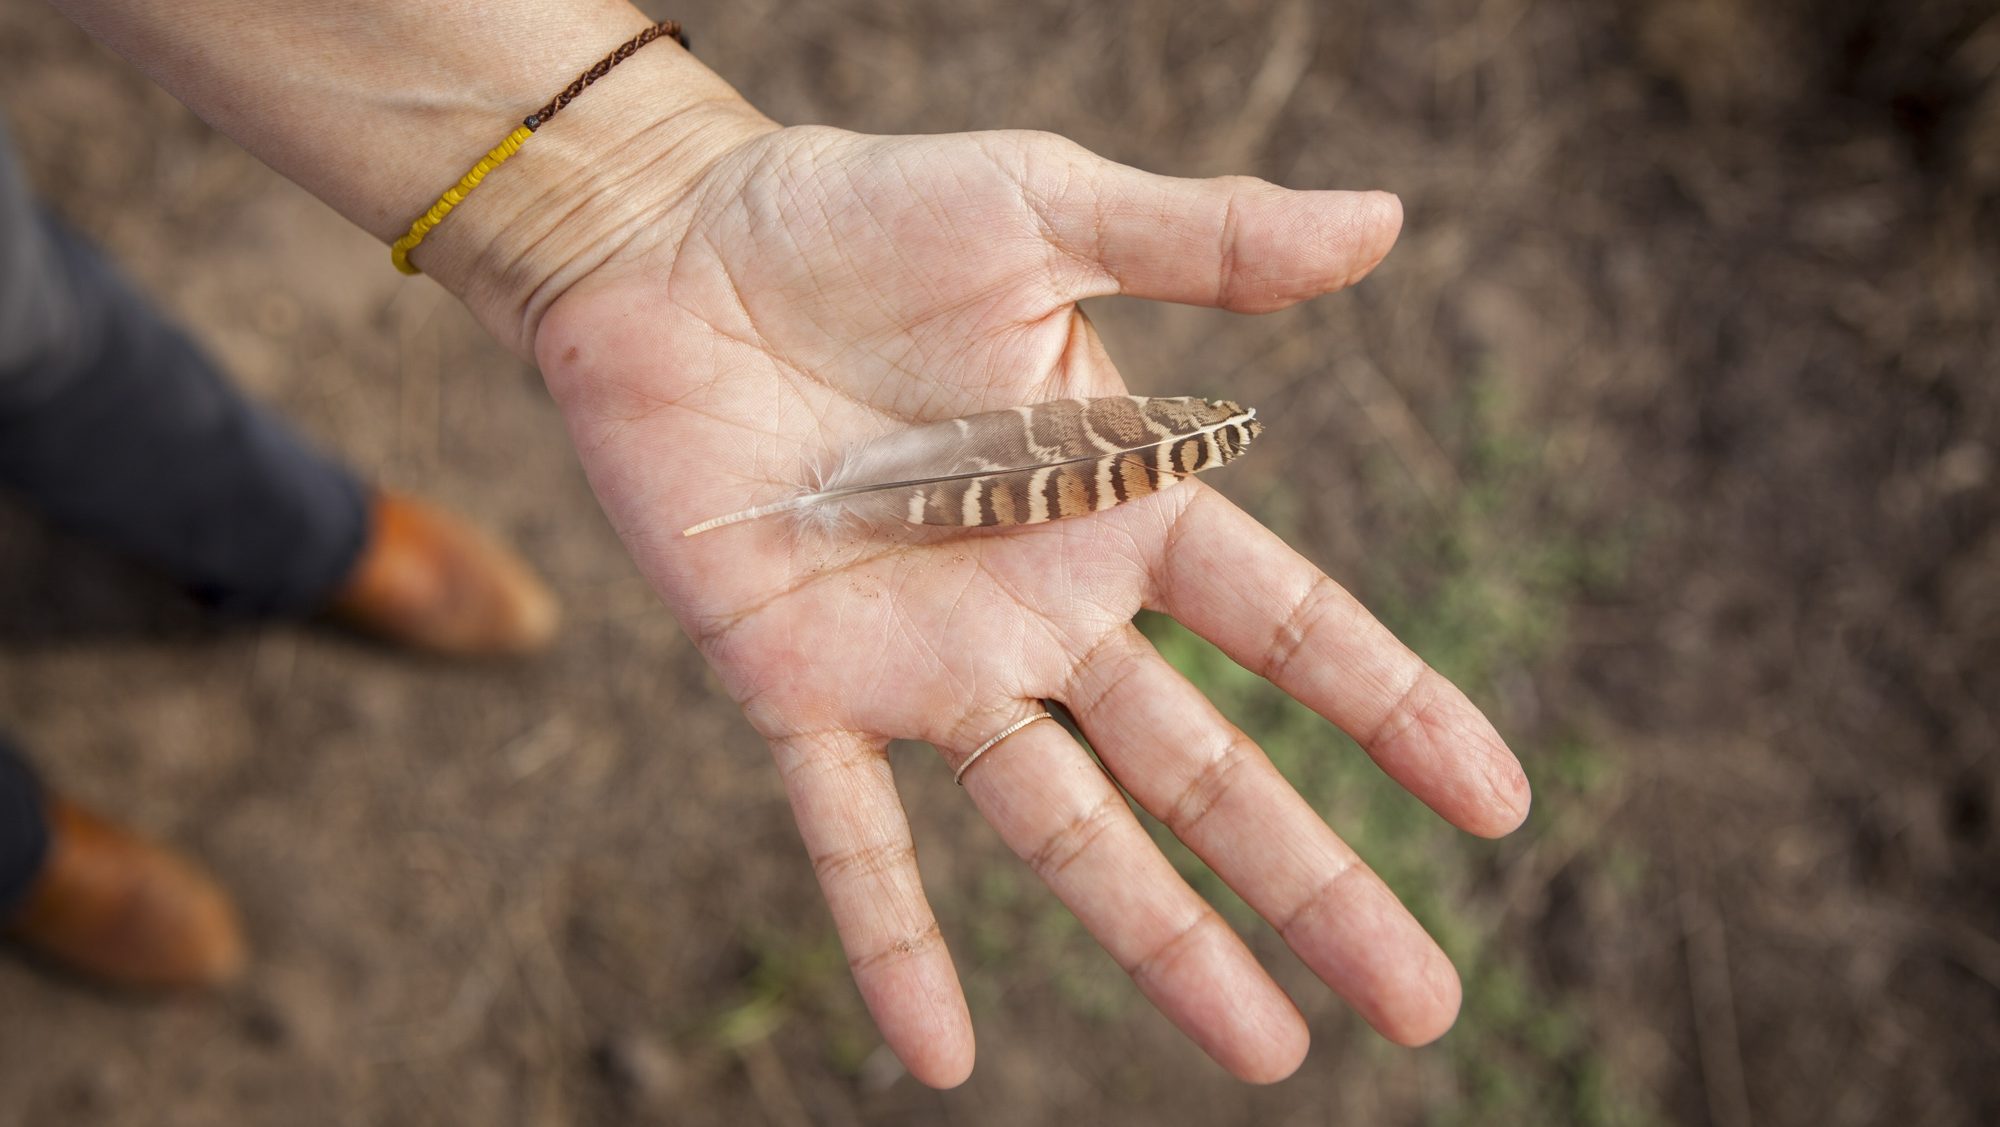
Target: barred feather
(1025, 465)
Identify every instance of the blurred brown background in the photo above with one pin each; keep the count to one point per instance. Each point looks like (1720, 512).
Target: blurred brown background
(1669, 429)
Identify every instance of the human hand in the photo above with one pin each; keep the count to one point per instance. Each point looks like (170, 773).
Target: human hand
(714, 302)
(812, 288)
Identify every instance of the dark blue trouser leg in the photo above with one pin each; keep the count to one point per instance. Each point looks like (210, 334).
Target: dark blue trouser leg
(115, 427)
(24, 835)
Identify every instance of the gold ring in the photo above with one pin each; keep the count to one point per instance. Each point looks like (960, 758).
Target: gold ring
(958, 776)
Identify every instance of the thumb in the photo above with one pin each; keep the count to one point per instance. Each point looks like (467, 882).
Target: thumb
(1234, 242)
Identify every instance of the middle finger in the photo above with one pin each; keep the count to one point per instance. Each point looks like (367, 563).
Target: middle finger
(1054, 807)
(1219, 794)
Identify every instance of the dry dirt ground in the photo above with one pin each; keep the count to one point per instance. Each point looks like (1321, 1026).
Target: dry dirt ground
(1670, 427)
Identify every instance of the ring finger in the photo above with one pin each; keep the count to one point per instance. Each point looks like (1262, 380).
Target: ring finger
(1054, 807)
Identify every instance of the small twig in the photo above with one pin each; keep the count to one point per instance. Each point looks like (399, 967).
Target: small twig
(1277, 79)
(773, 1087)
(420, 391)
(1719, 1046)
(463, 1018)
(1390, 414)
(1560, 846)
(1971, 948)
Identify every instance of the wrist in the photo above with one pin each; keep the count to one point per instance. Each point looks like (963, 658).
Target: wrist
(379, 106)
(606, 174)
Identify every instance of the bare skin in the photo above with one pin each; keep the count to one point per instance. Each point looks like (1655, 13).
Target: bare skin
(714, 301)
(826, 287)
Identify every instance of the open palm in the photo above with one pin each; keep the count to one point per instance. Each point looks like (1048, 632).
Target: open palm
(817, 288)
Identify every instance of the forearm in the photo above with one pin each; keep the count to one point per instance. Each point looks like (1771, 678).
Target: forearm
(377, 106)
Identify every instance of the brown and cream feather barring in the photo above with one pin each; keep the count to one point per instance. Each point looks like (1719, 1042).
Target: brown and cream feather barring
(1022, 465)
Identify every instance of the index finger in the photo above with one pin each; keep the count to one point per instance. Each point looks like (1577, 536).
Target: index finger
(853, 824)
(1236, 583)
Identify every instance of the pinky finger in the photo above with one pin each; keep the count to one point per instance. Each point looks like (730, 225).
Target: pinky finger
(854, 828)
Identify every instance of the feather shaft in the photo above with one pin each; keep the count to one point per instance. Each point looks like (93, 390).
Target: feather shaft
(1025, 465)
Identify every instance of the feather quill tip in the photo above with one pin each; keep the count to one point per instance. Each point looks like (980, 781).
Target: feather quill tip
(738, 517)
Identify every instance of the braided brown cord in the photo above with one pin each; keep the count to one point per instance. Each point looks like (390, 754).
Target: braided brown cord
(603, 67)
(399, 251)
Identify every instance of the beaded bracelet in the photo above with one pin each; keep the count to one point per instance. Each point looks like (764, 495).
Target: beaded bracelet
(399, 251)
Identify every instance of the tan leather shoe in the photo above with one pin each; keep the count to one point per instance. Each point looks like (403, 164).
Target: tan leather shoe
(124, 911)
(429, 581)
